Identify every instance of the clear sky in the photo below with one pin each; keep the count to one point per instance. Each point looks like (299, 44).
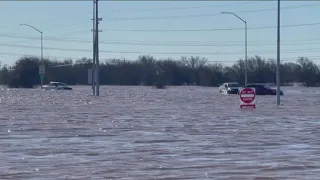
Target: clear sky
(160, 28)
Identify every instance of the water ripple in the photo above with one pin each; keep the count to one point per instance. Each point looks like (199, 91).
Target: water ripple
(143, 133)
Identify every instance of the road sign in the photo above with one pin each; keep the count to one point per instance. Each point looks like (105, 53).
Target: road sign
(41, 76)
(248, 98)
(42, 69)
(90, 77)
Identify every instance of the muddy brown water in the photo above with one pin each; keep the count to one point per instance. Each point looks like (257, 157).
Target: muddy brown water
(142, 133)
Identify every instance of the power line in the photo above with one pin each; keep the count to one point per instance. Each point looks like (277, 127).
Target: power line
(152, 10)
(72, 58)
(286, 59)
(164, 43)
(218, 29)
(210, 14)
(85, 41)
(245, 11)
(66, 39)
(172, 53)
(179, 8)
(32, 55)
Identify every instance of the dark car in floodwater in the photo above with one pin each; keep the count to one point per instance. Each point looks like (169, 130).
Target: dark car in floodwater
(229, 88)
(262, 89)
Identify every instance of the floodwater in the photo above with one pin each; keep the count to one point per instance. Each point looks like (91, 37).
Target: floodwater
(141, 133)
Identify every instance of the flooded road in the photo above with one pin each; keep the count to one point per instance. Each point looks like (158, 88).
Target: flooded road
(141, 133)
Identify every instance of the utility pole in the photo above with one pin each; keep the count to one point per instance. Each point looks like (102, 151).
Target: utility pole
(97, 65)
(93, 51)
(278, 57)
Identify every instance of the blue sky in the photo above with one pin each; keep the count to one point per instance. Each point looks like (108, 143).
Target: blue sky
(67, 25)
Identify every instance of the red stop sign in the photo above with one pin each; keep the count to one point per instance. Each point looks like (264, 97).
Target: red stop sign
(247, 95)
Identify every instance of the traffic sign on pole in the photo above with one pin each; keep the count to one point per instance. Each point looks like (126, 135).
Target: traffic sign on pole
(42, 69)
(247, 98)
(41, 77)
(42, 72)
(90, 76)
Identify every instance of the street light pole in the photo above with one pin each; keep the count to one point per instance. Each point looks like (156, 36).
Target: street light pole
(246, 46)
(41, 61)
(93, 79)
(41, 46)
(246, 56)
(278, 57)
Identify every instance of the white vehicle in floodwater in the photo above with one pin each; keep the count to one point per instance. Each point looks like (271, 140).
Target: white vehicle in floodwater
(56, 86)
(229, 88)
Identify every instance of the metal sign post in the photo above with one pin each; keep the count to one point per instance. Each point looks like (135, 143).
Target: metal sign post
(42, 72)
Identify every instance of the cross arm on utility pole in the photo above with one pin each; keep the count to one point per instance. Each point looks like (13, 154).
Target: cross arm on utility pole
(92, 30)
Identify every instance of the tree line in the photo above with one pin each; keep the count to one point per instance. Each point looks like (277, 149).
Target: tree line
(147, 70)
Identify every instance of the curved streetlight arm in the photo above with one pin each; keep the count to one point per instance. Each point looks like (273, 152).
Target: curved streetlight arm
(235, 15)
(31, 27)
